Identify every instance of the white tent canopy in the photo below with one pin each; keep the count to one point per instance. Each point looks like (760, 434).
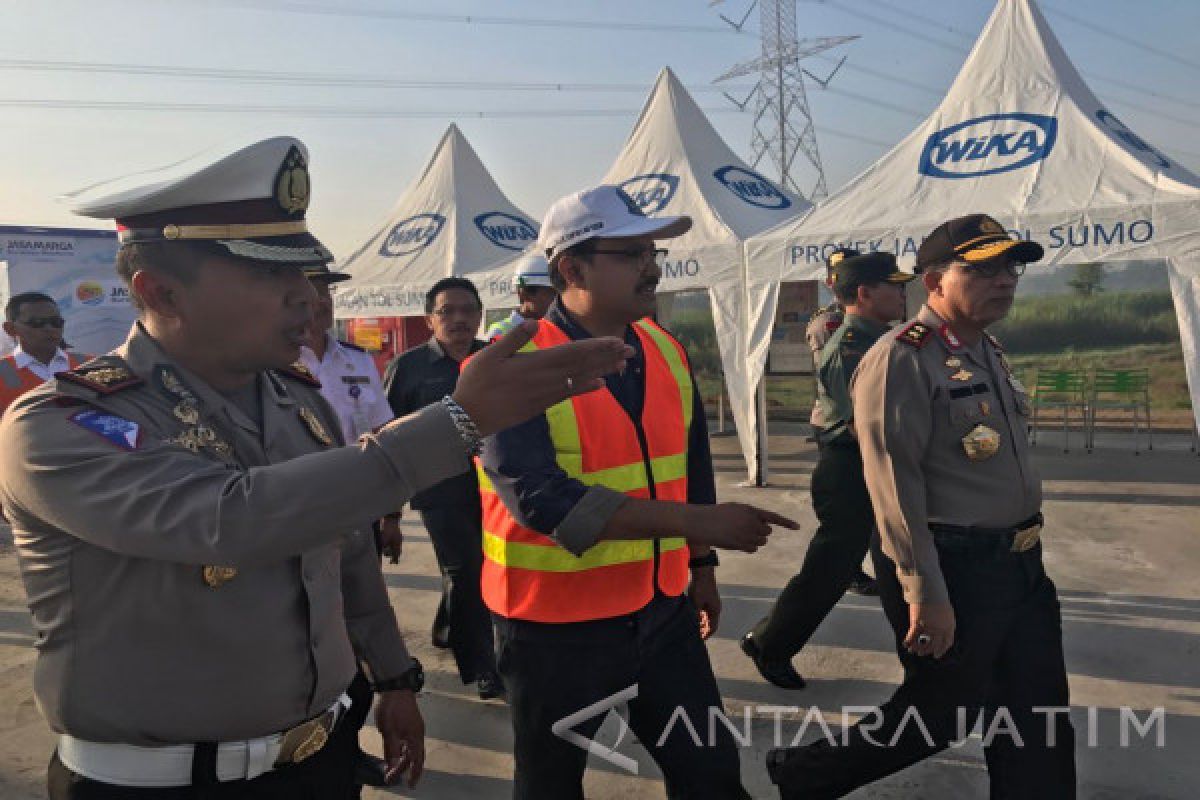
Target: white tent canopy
(675, 162)
(453, 220)
(1021, 137)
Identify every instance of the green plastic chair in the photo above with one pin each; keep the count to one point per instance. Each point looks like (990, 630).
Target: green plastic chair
(1060, 388)
(1122, 390)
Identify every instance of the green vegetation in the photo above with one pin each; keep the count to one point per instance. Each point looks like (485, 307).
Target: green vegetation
(1112, 330)
(1055, 323)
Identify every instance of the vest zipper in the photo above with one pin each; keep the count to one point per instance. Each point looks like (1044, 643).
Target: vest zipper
(641, 434)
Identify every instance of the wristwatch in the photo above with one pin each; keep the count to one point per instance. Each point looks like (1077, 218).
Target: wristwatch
(412, 679)
(709, 559)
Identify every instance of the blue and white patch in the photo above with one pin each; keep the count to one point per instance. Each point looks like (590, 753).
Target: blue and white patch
(119, 431)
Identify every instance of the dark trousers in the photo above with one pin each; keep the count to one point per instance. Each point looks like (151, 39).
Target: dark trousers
(327, 775)
(834, 557)
(552, 677)
(1007, 659)
(456, 533)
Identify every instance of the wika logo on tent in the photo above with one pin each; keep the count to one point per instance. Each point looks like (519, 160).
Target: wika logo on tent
(1131, 139)
(988, 145)
(506, 230)
(751, 187)
(412, 234)
(652, 191)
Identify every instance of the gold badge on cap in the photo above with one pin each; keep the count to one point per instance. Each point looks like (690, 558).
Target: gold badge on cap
(215, 576)
(315, 427)
(292, 186)
(981, 443)
(836, 259)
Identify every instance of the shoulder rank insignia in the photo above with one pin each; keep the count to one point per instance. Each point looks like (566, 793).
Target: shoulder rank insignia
(101, 378)
(915, 334)
(313, 423)
(300, 373)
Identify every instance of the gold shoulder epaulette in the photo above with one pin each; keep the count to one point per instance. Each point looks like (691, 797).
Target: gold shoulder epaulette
(103, 376)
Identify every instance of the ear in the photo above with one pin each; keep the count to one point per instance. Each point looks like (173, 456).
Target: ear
(932, 281)
(429, 321)
(160, 293)
(571, 270)
(10, 329)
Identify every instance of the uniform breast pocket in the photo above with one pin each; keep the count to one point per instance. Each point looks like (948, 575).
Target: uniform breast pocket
(966, 413)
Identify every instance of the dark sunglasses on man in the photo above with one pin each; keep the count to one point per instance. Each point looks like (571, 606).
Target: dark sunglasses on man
(44, 322)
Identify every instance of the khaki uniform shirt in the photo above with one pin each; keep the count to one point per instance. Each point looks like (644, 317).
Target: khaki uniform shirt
(820, 328)
(120, 497)
(917, 394)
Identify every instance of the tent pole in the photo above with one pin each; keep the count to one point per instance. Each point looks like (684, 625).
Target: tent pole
(762, 473)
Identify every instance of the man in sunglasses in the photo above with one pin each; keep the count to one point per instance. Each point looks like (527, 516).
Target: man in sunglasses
(597, 517)
(941, 423)
(34, 321)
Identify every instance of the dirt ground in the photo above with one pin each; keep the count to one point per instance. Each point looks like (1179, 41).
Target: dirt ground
(1122, 543)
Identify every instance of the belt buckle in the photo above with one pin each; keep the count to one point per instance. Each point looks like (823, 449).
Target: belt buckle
(1027, 538)
(305, 740)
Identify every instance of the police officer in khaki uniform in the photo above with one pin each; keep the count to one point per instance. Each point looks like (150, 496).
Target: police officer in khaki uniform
(871, 290)
(189, 528)
(941, 421)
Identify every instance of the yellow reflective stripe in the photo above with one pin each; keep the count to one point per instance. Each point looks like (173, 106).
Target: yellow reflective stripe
(669, 468)
(683, 378)
(552, 558)
(485, 483)
(667, 545)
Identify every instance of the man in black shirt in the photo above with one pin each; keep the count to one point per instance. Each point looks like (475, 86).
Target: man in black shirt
(450, 510)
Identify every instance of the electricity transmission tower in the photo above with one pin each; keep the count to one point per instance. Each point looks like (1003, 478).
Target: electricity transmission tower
(783, 122)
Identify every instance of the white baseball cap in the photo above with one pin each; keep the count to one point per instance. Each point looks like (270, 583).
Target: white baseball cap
(603, 211)
(533, 270)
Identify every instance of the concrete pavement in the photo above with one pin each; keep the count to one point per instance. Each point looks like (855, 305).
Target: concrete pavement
(1122, 543)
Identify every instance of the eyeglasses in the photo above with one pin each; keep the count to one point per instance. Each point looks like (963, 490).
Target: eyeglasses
(450, 311)
(990, 269)
(641, 256)
(44, 322)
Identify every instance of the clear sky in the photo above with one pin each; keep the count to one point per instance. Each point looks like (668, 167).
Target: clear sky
(1138, 57)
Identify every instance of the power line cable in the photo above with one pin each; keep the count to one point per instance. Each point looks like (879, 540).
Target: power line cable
(336, 112)
(468, 19)
(1120, 37)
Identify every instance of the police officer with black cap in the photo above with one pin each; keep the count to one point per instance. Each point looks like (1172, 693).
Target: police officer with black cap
(870, 289)
(820, 327)
(941, 421)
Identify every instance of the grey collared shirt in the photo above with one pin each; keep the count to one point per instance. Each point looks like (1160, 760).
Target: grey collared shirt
(914, 402)
(114, 524)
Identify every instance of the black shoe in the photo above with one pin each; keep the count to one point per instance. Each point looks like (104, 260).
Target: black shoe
(778, 673)
(440, 639)
(490, 686)
(863, 584)
(369, 770)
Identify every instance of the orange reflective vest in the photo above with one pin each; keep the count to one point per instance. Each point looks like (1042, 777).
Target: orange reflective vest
(526, 574)
(16, 381)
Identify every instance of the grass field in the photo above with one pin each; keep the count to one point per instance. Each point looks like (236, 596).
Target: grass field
(1118, 330)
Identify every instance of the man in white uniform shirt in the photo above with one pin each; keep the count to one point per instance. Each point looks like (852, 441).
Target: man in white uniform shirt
(348, 376)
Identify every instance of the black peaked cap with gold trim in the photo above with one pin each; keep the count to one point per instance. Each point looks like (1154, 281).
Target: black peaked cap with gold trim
(975, 238)
(250, 202)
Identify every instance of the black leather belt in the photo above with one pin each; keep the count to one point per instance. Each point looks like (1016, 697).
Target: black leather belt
(1017, 538)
